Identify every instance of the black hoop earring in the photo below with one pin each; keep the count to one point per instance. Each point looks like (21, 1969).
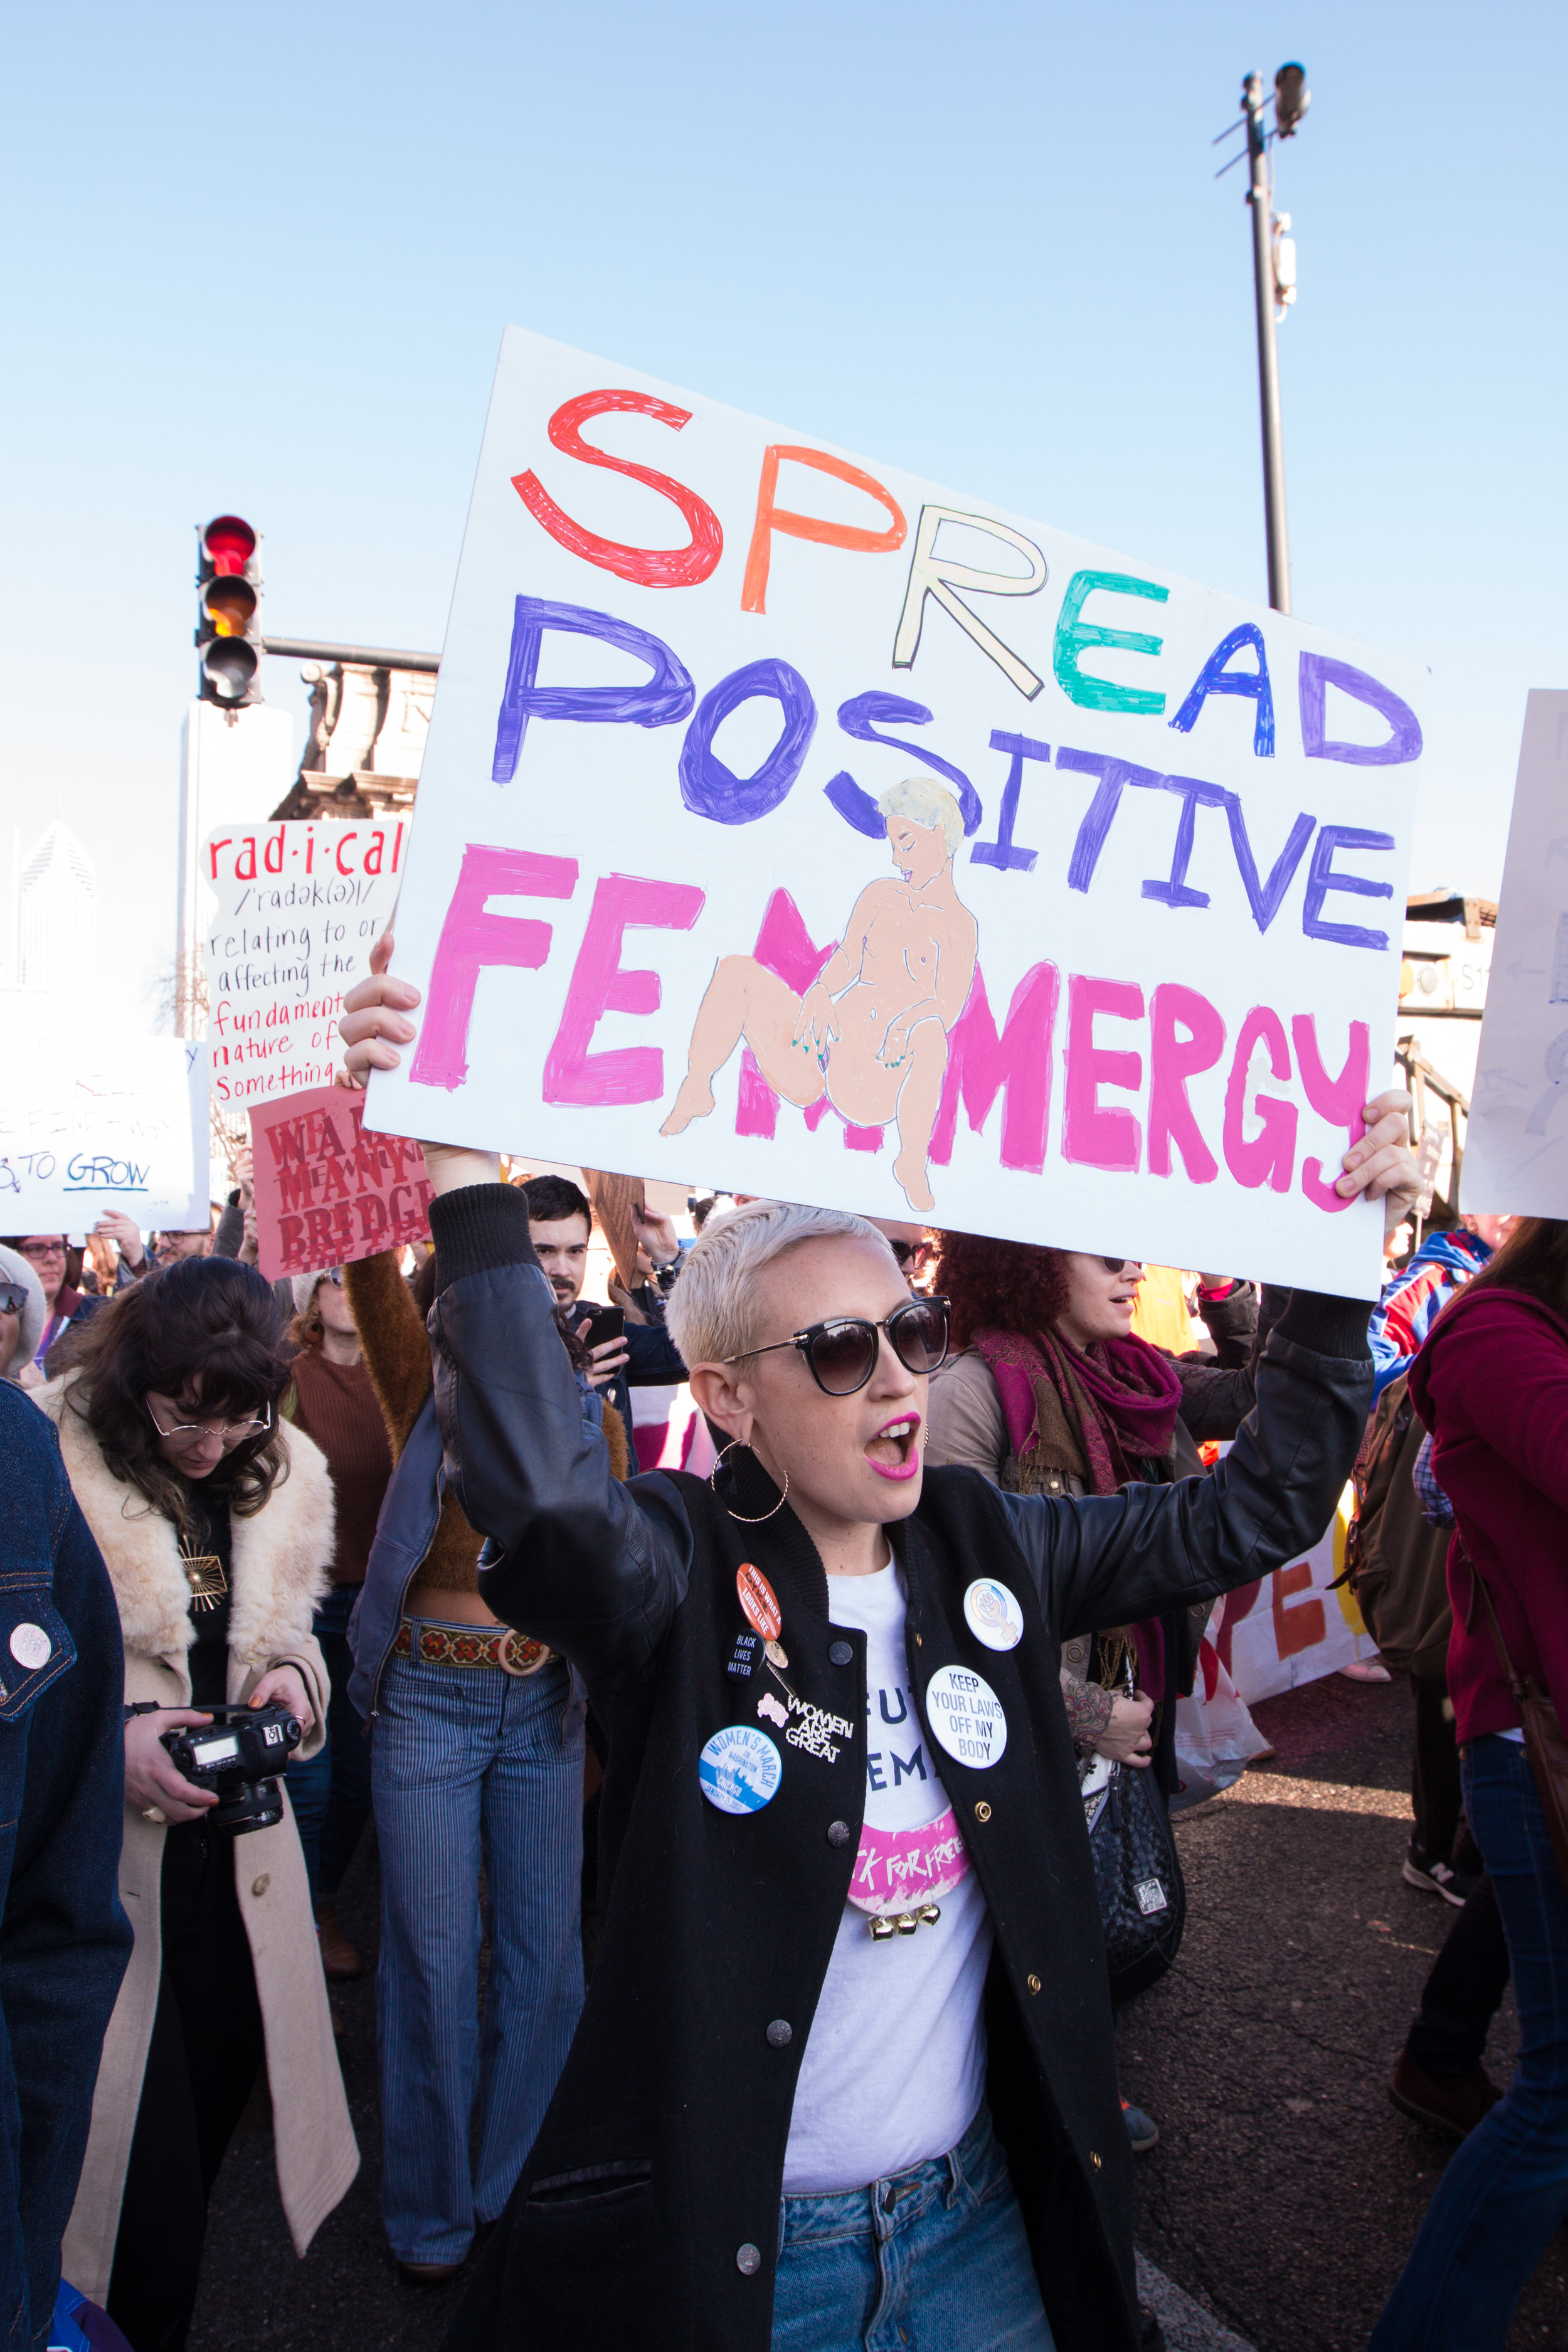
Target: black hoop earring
(737, 1444)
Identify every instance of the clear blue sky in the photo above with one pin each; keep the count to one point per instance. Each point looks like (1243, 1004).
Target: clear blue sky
(260, 259)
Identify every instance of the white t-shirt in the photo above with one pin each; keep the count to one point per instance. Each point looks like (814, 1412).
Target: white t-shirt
(895, 2065)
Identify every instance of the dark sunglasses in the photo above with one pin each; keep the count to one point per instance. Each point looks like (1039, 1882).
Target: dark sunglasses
(910, 1254)
(1120, 1265)
(842, 1353)
(13, 1298)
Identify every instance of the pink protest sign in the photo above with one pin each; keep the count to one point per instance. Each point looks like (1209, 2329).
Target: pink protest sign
(330, 1189)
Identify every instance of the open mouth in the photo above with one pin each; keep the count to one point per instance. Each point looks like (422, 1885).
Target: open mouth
(894, 1452)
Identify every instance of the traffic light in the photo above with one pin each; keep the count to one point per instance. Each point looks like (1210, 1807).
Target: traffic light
(228, 617)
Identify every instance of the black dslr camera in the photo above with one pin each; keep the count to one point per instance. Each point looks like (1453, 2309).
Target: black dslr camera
(237, 1756)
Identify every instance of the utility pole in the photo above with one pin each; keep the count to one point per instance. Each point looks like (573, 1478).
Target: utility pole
(1271, 283)
(1260, 196)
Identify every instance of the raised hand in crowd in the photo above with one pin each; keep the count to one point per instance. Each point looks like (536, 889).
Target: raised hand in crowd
(607, 1359)
(1382, 1165)
(124, 1231)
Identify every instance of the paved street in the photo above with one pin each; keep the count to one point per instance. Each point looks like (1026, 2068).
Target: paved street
(1285, 2190)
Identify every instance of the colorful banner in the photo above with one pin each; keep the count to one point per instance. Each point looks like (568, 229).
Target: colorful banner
(120, 1124)
(292, 912)
(1516, 1141)
(328, 1190)
(795, 824)
(1293, 1626)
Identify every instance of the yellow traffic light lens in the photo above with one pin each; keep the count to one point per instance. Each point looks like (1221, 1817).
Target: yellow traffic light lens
(230, 606)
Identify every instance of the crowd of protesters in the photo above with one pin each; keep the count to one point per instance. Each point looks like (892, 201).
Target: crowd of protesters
(698, 2054)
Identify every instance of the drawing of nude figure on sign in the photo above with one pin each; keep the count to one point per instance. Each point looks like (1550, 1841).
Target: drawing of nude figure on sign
(871, 1031)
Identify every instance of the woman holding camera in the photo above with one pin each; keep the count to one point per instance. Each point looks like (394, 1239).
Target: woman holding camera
(215, 1521)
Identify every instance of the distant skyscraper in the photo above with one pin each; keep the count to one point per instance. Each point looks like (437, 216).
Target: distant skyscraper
(56, 921)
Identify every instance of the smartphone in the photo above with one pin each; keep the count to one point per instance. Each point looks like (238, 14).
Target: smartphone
(604, 1323)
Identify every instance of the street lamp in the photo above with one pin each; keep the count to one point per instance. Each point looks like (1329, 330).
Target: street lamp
(1274, 282)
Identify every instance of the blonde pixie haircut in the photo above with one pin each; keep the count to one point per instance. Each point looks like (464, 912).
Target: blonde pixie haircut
(712, 1314)
(926, 803)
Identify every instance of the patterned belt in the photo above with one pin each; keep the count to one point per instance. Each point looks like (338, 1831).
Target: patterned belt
(444, 1645)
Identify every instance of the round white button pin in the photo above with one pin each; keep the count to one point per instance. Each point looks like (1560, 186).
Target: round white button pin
(965, 1716)
(30, 1646)
(993, 1615)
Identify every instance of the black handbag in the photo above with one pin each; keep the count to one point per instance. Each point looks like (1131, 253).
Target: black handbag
(1137, 1876)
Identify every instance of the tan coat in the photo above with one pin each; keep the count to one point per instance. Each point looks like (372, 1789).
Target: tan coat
(280, 1563)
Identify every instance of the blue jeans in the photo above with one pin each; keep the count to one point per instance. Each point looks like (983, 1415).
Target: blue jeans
(331, 1794)
(1505, 2191)
(935, 2260)
(472, 1766)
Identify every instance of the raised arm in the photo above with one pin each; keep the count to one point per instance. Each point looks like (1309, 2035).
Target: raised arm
(1111, 1559)
(574, 1557)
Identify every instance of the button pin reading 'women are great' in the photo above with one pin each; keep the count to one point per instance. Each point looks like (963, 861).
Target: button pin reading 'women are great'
(30, 1646)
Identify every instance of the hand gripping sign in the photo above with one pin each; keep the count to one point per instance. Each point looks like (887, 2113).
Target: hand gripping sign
(791, 822)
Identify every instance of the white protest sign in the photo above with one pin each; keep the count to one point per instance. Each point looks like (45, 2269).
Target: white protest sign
(292, 912)
(1114, 972)
(122, 1125)
(1516, 1143)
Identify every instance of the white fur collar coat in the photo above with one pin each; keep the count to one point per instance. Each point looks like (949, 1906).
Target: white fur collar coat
(279, 1560)
(279, 1557)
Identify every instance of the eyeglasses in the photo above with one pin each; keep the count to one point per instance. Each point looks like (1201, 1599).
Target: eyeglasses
(910, 1254)
(334, 1275)
(1120, 1265)
(230, 1432)
(36, 1250)
(842, 1353)
(13, 1298)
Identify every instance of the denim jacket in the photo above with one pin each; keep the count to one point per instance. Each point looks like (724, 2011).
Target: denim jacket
(64, 1936)
(404, 1533)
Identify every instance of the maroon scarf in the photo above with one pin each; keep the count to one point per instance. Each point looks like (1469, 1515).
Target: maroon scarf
(1118, 1399)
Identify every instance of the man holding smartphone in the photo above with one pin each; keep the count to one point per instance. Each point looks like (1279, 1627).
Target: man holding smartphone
(625, 1351)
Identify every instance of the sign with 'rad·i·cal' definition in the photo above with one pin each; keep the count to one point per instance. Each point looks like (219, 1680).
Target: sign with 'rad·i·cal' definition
(293, 911)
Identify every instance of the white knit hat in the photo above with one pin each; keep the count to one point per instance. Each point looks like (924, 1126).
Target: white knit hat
(304, 1289)
(15, 1268)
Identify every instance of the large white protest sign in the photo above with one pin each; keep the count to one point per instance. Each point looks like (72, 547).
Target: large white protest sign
(792, 823)
(121, 1125)
(291, 914)
(1516, 1144)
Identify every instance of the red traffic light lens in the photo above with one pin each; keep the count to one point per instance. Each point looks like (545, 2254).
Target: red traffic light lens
(230, 606)
(228, 543)
(229, 665)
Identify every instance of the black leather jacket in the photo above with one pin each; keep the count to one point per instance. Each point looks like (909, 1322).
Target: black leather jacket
(648, 2213)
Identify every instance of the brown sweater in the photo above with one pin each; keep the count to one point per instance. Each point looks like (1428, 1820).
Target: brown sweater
(337, 1406)
(397, 1355)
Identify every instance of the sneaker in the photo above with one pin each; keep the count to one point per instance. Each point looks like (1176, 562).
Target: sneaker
(1434, 1877)
(1453, 2103)
(1141, 2129)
